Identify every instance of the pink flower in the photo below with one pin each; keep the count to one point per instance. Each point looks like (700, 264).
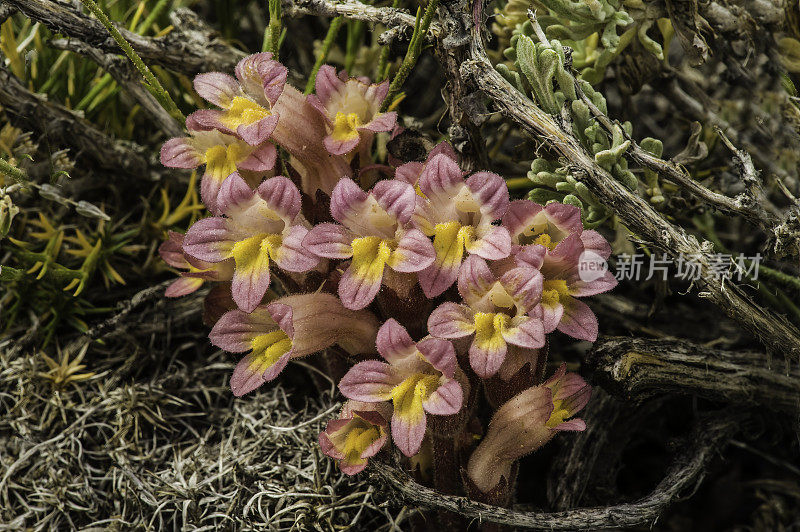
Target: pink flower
(222, 154)
(247, 100)
(459, 215)
(561, 269)
(357, 435)
(198, 271)
(258, 227)
(419, 378)
(290, 327)
(497, 312)
(374, 232)
(351, 110)
(530, 223)
(525, 423)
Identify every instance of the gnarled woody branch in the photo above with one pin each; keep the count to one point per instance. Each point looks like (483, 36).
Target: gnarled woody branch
(773, 331)
(705, 442)
(191, 48)
(639, 368)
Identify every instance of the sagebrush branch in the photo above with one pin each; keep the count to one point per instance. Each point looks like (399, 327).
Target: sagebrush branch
(639, 368)
(191, 48)
(704, 444)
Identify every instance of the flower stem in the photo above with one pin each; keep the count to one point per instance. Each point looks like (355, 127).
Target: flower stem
(333, 29)
(421, 26)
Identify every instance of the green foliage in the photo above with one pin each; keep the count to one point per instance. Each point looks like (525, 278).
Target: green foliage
(597, 31)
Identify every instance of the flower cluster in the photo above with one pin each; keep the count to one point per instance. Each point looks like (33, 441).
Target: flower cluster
(431, 281)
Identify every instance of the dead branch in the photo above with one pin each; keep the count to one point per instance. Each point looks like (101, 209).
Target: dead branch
(639, 368)
(775, 332)
(192, 47)
(387, 16)
(64, 127)
(687, 471)
(592, 459)
(746, 205)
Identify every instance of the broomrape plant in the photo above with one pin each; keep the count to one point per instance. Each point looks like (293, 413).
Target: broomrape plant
(317, 261)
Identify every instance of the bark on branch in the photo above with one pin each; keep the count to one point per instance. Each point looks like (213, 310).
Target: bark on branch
(687, 471)
(191, 48)
(639, 368)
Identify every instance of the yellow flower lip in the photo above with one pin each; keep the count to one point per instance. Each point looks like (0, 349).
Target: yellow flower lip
(345, 126)
(243, 112)
(554, 291)
(267, 349)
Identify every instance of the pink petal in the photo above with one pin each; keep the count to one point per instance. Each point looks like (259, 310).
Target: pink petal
(207, 120)
(486, 359)
(330, 241)
(491, 192)
(356, 289)
(371, 381)
(341, 147)
(325, 443)
(519, 216)
(179, 153)
(235, 330)
(475, 280)
(261, 159)
(594, 241)
(249, 285)
(216, 87)
(408, 434)
(393, 342)
(244, 381)
(234, 192)
(578, 321)
(381, 122)
(446, 400)
(576, 424)
(495, 245)
(531, 256)
(209, 192)
(524, 285)
(208, 239)
(397, 198)
(327, 83)
(183, 286)
(291, 255)
(590, 288)
(441, 180)
(258, 132)
(171, 250)
(451, 320)
(551, 316)
(445, 148)
(566, 218)
(409, 172)
(416, 252)
(440, 354)
(529, 334)
(262, 77)
(436, 278)
(348, 203)
(282, 196)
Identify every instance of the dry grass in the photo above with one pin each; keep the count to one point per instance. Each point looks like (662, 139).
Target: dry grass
(155, 440)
